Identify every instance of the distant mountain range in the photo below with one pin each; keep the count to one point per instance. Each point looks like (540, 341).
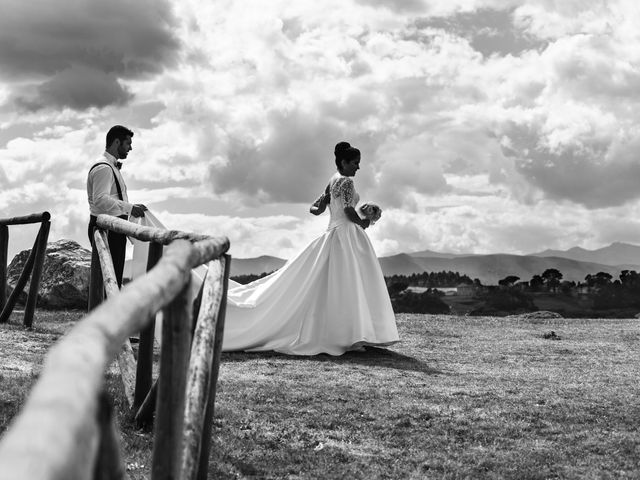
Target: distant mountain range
(247, 266)
(574, 263)
(615, 254)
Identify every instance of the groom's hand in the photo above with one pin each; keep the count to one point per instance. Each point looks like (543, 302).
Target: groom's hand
(138, 210)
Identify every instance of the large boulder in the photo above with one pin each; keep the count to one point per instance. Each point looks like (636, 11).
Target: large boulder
(65, 275)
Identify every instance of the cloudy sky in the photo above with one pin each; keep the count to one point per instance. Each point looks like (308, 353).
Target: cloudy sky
(485, 125)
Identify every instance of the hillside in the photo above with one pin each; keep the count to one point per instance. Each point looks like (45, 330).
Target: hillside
(491, 268)
(401, 264)
(488, 268)
(617, 253)
(574, 263)
(247, 266)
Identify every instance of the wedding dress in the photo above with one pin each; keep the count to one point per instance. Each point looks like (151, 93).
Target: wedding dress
(330, 298)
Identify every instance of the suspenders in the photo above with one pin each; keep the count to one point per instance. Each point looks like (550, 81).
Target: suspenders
(114, 177)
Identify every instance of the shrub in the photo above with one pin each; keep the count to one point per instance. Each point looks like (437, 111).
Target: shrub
(411, 302)
(504, 301)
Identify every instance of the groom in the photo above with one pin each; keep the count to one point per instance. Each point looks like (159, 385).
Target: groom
(107, 193)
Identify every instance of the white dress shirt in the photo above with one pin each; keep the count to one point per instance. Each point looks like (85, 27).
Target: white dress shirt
(102, 191)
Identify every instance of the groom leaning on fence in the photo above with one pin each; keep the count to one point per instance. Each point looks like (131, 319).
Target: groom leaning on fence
(107, 193)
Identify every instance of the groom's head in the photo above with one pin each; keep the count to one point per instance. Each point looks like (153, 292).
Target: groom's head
(119, 141)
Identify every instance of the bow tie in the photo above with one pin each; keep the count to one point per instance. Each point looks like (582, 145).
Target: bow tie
(118, 165)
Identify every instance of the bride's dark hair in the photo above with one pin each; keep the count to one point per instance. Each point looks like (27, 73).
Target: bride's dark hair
(344, 151)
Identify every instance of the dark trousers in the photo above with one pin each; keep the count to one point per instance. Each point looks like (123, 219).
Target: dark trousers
(117, 247)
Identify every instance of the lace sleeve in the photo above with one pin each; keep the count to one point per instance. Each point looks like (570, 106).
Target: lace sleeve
(344, 189)
(320, 200)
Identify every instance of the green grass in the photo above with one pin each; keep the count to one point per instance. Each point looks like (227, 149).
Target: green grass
(459, 397)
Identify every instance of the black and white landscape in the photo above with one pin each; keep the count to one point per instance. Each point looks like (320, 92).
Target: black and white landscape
(575, 263)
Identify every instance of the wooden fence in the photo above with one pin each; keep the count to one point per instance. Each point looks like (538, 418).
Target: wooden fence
(33, 266)
(66, 428)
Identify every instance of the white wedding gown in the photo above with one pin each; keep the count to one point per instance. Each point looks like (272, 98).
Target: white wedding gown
(330, 298)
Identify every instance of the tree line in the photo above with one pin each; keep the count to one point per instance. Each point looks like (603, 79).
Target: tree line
(510, 295)
(442, 279)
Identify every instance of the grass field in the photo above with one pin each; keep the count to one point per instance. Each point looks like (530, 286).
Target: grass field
(459, 397)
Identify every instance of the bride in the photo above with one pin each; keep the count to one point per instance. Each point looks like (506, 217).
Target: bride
(330, 298)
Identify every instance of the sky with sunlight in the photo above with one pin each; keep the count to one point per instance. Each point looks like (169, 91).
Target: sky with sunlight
(485, 126)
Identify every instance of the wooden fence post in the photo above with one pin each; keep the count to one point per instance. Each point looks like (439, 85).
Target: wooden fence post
(144, 415)
(200, 366)
(4, 248)
(96, 285)
(19, 287)
(174, 357)
(205, 447)
(41, 249)
(126, 360)
(144, 367)
(109, 463)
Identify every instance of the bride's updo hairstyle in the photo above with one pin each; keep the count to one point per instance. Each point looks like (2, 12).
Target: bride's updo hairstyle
(344, 151)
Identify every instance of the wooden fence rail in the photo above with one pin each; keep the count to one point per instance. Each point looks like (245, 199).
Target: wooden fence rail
(33, 266)
(65, 429)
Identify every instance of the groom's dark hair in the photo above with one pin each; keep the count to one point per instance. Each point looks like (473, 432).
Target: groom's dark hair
(344, 151)
(118, 132)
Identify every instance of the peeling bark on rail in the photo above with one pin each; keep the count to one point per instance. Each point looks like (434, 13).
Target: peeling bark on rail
(55, 437)
(209, 247)
(106, 263)
(145, 233)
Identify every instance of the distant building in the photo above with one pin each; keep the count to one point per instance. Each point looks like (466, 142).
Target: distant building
(445, 290)
(465, 290)
(414, 289)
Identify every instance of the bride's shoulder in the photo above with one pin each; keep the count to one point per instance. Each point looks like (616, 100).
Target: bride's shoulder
(340, 184)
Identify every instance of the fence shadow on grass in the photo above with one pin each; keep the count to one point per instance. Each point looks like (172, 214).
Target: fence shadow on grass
(370, 357)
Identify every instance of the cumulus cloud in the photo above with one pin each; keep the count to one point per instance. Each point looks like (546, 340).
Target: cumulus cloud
(298, 147)
(478, 120)
(574, 138)
(408, 167)
(78, 88)
(548, 19)
(588, 171)
(488, 31)
(87, 45)
(278, 235)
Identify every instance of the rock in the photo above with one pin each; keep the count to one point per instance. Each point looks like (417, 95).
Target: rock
(551, 336)
(65, 275)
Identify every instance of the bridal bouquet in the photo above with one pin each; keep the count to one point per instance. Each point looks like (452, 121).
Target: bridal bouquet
(370, 211)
